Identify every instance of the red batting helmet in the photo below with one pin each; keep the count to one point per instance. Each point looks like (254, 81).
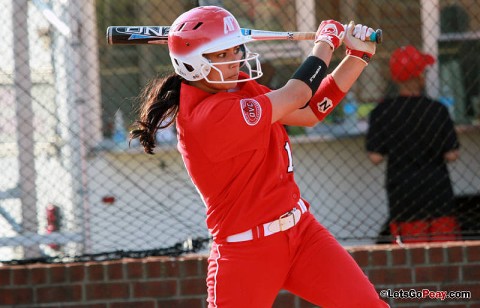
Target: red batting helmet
(203, 30)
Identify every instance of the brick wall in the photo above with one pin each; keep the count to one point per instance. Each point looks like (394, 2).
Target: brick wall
(168, 282)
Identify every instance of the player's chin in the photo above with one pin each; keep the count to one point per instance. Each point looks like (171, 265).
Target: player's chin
(230, 83)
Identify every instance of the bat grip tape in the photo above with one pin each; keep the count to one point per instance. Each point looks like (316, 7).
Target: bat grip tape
(311, 72)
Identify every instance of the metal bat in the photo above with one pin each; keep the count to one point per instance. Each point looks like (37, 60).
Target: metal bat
(137, 35)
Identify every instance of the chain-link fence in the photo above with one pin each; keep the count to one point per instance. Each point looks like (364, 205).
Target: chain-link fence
(72, 187)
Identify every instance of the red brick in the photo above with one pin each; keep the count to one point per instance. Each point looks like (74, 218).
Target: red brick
(455, 254)
(76, 272)
(437, 273)
(95, 271)
(188, 267)
(204, 267)
(193, 286)
(83, 306)
(377, 276)
(435, 255)
(361, 257)
(19, 275)
(154, 269)
(399, 257)
(114, 270)
(182, 303)
(417, 255)
(15, 296)
(163, 288)
(59, 293)
(471, 272)
(38, 274)
(171, 269)
(473, 253)
(5, 276)
(107, 291)
(400, 275)
(134, 268)
(57, 273)
(161, 268)
(390, 275)
(139, 304)
(378, 258)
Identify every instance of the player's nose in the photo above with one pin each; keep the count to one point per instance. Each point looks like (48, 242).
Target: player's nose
(234, 56)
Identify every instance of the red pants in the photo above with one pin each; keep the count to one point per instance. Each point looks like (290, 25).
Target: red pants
(436, 230)
(305, 260)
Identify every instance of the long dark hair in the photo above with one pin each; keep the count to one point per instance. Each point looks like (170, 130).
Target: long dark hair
(160, 101)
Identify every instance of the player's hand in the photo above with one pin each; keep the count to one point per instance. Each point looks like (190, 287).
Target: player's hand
(357, 42)
(330, 32)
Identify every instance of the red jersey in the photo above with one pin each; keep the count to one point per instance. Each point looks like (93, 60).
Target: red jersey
(239, 161)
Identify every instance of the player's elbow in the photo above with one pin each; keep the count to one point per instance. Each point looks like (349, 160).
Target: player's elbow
(298, 92)
(310, 122)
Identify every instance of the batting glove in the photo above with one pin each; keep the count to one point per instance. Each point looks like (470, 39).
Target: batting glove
(357, 42)
(330, 32)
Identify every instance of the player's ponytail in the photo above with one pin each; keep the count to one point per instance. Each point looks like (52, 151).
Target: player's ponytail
(160, 100)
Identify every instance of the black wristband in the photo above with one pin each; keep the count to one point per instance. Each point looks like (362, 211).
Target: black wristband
(312, 71)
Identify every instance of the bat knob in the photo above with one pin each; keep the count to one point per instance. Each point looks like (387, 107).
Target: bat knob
(377, 36)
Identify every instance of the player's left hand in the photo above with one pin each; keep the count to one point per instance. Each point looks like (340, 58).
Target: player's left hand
(330, 32)
(357, 42)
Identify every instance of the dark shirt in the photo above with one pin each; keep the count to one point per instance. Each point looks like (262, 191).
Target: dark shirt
(414, 133)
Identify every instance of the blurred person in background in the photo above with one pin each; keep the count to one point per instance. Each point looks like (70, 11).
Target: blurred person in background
(416, 136)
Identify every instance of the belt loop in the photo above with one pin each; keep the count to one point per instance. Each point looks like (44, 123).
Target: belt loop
(255, 233)
(302, 205)
(261, 232)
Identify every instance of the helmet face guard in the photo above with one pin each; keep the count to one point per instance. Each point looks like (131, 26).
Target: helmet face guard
(250, 64)
(204, 30)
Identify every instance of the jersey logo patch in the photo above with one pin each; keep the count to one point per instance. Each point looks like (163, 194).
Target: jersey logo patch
(252, 111)
(324, 105)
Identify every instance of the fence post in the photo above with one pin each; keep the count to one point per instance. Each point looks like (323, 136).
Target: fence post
(25, 129)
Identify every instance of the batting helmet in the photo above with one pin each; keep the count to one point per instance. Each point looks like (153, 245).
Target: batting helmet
(204, 30)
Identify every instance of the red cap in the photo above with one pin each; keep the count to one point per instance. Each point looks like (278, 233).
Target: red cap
(407, 62)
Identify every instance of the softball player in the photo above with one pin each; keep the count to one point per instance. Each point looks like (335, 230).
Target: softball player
(235, 148)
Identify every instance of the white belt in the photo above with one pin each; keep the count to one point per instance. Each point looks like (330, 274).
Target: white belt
(284, 222)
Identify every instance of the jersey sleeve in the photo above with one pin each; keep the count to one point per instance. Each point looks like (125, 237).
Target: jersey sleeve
(229, 125)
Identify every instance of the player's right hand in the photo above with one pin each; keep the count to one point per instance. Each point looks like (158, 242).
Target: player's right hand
(330, 32)
(357, 42)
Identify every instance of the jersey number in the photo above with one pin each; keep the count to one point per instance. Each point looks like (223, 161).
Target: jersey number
(290, 159)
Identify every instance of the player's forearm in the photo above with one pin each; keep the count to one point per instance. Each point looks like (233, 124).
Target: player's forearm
(300, 117)
(347, 72)
(327, 97)
(303, 84)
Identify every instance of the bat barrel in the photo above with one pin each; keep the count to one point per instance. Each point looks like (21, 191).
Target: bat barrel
(134, 35)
